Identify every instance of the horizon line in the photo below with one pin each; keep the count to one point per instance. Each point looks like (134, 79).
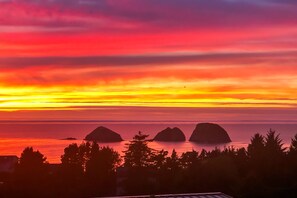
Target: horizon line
(149, 121)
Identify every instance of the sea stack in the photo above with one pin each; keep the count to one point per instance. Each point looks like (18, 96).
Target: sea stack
(209, 133)
(170, 135)
(103, 134)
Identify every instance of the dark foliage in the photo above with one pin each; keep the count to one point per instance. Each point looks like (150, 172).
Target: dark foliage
(100, 170)
(138, 154)
(139, 161)
(31, 174)
(264, 169)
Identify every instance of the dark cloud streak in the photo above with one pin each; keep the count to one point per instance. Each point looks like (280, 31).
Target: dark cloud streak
(155, 15)
(152, 60)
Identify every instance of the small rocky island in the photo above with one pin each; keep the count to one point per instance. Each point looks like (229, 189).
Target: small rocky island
(170, 135)
(209, 133)
(103, 134)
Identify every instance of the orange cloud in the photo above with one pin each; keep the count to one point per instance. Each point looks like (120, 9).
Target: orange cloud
(88, 55)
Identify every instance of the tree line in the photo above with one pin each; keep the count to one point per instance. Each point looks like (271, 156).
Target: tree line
(264, 169)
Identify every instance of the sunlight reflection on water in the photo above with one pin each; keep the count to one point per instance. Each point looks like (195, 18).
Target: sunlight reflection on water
(47, 137)
(53, 148)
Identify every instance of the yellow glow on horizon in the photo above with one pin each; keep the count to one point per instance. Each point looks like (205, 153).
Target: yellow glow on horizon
(179, 86)
(161, 93)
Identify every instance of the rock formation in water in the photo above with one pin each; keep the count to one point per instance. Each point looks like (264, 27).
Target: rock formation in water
(103, 134)
(170, 135)
(208, 133)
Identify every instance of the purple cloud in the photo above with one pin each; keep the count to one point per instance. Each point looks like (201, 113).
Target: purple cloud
(150, 15)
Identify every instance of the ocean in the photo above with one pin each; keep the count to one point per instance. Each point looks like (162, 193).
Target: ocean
(47, 136)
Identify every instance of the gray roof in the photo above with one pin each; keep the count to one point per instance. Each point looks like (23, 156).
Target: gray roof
(189, 195)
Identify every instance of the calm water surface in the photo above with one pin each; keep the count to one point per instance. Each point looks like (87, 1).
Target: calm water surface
(46, 137)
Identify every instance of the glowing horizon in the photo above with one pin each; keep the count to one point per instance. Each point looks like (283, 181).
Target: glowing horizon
(85, 55)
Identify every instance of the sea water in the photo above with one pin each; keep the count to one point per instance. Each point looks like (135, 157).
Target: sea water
(47, 136)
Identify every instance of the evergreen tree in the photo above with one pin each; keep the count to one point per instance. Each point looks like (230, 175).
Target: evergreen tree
(293, 146)
(292, 162)
(138, 153)
(138, 162)
(274, 145)
(256, 147)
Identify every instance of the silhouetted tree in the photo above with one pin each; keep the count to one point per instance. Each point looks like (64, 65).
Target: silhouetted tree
(173, 162)
(273, 144)
(77, 156)
(219, 174)
(100, 170)
(138, 154)
(256, 152)
(256, 163)
(265, 169)
(170, 177)
(203, 154)
(293, 146)
(31, 174)
(241, 161)
(159, 166)
(256, 147)
(292, 163)
(190, 164)
(72, 170)
(159, 159)
(138, 161)
(189, 159)
(274, 158)
(267, 160)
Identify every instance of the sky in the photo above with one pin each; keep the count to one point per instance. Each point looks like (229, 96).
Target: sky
(148, 60)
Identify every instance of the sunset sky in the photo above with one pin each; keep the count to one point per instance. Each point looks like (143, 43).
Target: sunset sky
(148, 59)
